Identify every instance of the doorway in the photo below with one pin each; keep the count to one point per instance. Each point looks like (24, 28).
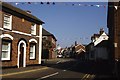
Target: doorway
(21, 54)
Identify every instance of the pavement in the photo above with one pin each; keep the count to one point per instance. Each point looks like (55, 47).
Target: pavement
(42, 66)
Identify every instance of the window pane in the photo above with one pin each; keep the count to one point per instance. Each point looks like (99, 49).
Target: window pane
(7, 18)
(4, 54)
(5, 47)
(32, 51)
(33, 29)
(31, 48)
(31, 54)
(6, 24)
(5, 21)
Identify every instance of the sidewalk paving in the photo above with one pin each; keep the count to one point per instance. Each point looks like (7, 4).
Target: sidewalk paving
(21, 69)
(32, 67)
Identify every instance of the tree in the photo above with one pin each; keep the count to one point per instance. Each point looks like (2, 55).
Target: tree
(46, 44)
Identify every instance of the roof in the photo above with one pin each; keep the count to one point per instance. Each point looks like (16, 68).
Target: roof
(95, 35)
(90, 44)
(79, 47)
(46, 33)
(19, 12)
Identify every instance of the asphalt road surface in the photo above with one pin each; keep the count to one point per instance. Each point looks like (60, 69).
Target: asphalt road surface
(62, 69)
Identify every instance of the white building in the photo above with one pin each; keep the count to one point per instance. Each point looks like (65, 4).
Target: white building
(99, 51)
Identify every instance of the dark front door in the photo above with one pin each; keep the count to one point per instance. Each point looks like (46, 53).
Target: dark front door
(21, 56)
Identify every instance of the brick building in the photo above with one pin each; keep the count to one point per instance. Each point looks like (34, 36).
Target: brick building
(49, 45)
(21, 37)
(114, 29)
(113, 25)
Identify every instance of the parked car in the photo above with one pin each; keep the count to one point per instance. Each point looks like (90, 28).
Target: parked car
(59, 56)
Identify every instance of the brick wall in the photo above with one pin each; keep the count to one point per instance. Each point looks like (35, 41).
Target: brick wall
(51, 52)
(24, 27)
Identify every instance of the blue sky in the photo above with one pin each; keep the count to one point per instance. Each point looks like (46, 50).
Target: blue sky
(70, 23)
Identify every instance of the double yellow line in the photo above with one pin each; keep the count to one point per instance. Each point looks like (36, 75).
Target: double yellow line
(88, 76)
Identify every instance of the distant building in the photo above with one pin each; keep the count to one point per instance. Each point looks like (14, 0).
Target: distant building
(97, 38)
(49, 45)
(76, 51)
(89, 55)
(80, 51)
(98, 48)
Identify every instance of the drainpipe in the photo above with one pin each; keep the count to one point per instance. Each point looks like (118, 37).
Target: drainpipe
(40, 43)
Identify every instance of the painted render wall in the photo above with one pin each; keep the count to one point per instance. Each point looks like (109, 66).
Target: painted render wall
(101, 38)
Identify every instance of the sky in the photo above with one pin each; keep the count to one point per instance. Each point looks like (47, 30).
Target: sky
(68, 22)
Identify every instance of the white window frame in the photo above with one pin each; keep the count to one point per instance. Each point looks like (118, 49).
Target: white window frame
(33, 29)
(9, 50)
(34, 47)
(9, 22)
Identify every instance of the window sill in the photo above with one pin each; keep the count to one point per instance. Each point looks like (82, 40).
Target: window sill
(6, 60)
(33, 34)
(32, 59)
(7, 29)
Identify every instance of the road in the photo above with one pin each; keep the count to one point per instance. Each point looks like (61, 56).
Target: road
(58, 70)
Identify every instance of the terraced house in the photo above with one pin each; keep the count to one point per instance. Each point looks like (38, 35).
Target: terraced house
(21, 37)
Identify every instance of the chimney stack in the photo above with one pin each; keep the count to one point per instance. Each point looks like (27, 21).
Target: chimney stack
(29, 12)
(101, 31)
(75, 43)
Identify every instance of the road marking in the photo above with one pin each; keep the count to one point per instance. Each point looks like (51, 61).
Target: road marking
(9, 74)
(84, 76)
(48, 76)
(92, 76)
(87, 76)
(58, 62)
(64, 70)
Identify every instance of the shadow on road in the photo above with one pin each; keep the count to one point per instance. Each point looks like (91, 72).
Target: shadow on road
(100, 69)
